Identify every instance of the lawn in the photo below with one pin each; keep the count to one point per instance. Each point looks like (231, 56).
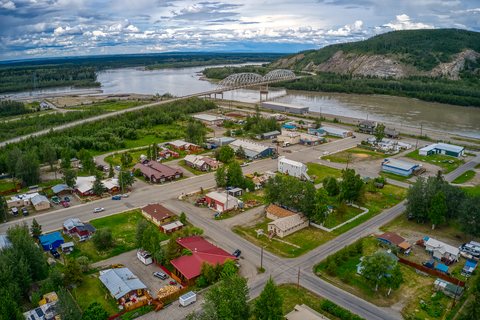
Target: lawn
(395, 176)
(437, 159)
(310, 238)
(477, 166)
(475, 191)
(112, 105)
(334, 220)
(355, 154)
(123, 227)
(331, 137)
(320, 172)
(7, 184)
(468, 175)
(92, 289)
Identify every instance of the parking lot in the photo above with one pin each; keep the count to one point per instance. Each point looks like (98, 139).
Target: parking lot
(143, 272)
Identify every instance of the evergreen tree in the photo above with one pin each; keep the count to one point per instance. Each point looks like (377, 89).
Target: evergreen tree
(160, 256)
(235, 174)
(49, 154)
(438, 209)
(172, 250)
(342, 210)
(36, 229)
(347, 277)
(72, 273)
(351, 185)
(330, 184)
(379, 132)
(126, 180)
(56, 279)
(142, 225)
(183, 218)
(69, 177)
(95, 311)
(220, 177)
(98, 187)
(269, 305)
(126, 159)
(240, 153)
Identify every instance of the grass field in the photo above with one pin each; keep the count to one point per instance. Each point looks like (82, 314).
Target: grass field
(123, 227)
(437, 160)
(354, 154)
(92, 289)
(321, 172)
(468, 175)
(113, 106)
(7, 184)
(473, 190)
(395, 176)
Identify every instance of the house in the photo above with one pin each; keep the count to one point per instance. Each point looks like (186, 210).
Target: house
(317, 132)
(123, 285)
(196, 162)
(187, 268)
(177, 145)
(214, 164)
(285, 226)
(387, 253)
(342, 133)
(218, 202)
(45, 310)
(235, 192)
(269, 135)
(449, 289)
(274, 212)
(44, 105)
(20, 200)
(443, 149)
(470, 265)
(193, 148)
(292, 168)
(208, 119)
(394, 239)
(386, 144)
(284, 107)
(402, 168)
(260, 181)
(60, 189)
(84, 185)
(157, 172)
(367, 126)
(441, 250)
(40, 203)
(300, 137)
(166, 153)
(75, 227)
(220, 142)
(158, 214)
(51, 240)
(391, 133)
(171, 226)
(304, 312)
(4, 242)
(289, 127)
(253, 150)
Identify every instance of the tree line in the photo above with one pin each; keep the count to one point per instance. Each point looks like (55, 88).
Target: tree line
(10, 108)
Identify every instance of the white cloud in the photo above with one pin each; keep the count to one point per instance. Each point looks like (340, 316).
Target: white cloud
(403, 23)
(348, 30)
(9, 5)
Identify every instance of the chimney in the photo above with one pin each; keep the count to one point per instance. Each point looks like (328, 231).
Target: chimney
(195, 249)
(155, 210)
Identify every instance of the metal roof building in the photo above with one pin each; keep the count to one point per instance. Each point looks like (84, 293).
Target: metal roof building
(402, 168)
(208, 119)
(442, 148)
(253, 150)
(284, 107)
(120, 282)
(336, 132)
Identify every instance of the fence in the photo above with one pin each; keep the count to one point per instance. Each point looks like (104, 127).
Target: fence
(11, 190)
(343, 223)
(435, 273)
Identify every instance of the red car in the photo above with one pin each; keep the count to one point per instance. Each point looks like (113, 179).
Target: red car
(173, 282)
(65, 204)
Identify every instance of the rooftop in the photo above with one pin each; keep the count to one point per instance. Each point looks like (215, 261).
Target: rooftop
(4, 242)
(282, 159)
(158, 170)
(279, 211)
(157, 211)
(442, 246)
(253, 146)
(38, 199)
(206, 117)
(334, 130)
(404, 165)
(222, 198)
(304, 312)
(177, 143)
(50, 238)
(392, 237)
(172, 225)
(443, 146)
(288, 222)
(60, 187)
(72, 223)
(120, 282)
(367, 123)
(283, 105)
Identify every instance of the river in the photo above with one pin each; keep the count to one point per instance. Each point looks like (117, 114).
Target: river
(408, 112)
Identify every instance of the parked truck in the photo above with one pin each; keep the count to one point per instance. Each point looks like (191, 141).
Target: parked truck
(188, 298)
(145, 257)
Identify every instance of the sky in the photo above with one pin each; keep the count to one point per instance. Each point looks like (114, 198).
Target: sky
(56, 28)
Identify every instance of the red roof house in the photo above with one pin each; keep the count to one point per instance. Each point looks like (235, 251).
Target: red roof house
(157, 172)
(187, 268)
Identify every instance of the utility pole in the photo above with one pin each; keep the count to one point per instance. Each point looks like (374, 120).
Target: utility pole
(298, 281)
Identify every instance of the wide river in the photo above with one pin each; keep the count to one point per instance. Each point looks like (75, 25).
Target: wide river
(408, 112)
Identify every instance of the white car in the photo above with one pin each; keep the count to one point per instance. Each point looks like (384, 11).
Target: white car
(244, 164)
(98, 210)
(326, 152)
(125, 195)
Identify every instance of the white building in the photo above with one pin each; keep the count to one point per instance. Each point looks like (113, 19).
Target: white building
(342, 133)
(442, 148)
(292, 168)
(441, 250)
(208, 119)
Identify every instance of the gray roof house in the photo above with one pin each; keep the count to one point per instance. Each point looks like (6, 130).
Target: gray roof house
(4, 242)
(367, 126)
(121, 282)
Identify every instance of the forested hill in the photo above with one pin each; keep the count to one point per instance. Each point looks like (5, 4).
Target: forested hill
(439, 52)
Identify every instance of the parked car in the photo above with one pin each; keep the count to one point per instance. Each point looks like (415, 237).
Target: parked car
(219, 125)
(173, 282)
(244, 164)
(160, 275)
(275, 156)
(80, 167)
(353, 137)
(15, 211)
(451, 161)
(25, 212)
(116, 198)
(55, 253)
(65, 204)
(67, 199)
(98, 210)
(118, 168)
(445, 161)
(237, 253)
(125, 195)
(55, 200)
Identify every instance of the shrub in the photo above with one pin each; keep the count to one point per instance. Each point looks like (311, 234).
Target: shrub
(201, 282)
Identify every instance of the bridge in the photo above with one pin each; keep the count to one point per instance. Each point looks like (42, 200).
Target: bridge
(243, 80)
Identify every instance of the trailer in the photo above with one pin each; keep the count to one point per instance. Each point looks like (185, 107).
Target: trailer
(188, 298)
(145, 257)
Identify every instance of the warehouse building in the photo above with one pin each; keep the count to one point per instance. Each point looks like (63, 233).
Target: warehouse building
(284, 107)
(443, 149)
(402, 168)
(342, 133)
(208, 119)
(253, 150)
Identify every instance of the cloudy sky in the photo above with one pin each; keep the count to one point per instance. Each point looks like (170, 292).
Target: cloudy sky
(50, 28)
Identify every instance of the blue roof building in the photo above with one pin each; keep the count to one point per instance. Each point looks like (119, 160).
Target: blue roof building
(289, 127)
(51, 240)
(402, 168)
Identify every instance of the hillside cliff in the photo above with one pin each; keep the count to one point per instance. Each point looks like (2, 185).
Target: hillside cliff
(435, 53)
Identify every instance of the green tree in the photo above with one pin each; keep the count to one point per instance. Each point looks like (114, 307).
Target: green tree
(395, 279)
(235, 174)
(72, 273)
(36, 229)
(56, 278)
(228, 133)
(318, 123)
(351, 185)
(330, 184)
(183, 218)
(229, 268)
(347, 277)
(469, 218)
(95, 311)
(417, 203)
(438, 209)
(142, 225)
(160, 256)
(49, 154)
(248, 184)
(65, 163)
(187, 252)
(126, 180)
(69, 177)
(201, 282)
(240, 153)
(269, 305)
(27, 168)
(13, 158)
(221, 177)
(111, 172)
(195, 133)
(126, 159)
(172, 250)
(472, 308)
(379, 132)
(321, 205)
(342, 209)
(137, 172)
(151, 239)
(84, 263)
(376, 267)
(102, 239)
(98, 187)
(226, 154)
(208, 271)
(66, 307)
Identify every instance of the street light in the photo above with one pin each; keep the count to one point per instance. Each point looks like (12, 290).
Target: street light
(261, 259)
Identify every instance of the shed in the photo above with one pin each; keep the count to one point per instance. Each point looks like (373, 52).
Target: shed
(289, 127)
(235, 192)
(171, 226)
(51, 240)
(470, 265)
(60, 189)
(67, 248)
(451, 290)
(430, 264)
(442, 268)
(122, 284)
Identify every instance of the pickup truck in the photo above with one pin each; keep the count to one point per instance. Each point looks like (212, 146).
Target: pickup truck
(55, 200)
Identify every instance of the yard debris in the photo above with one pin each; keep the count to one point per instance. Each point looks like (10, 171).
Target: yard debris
(167, 290)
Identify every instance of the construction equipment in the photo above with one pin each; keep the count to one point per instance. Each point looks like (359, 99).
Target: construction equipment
(116, 266)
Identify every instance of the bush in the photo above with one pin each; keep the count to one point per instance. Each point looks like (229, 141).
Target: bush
(338, 311)
(201, 282)
(103, 239)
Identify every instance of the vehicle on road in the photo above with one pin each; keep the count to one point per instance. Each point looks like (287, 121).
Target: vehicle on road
(160, 275)
(116, 198)
(325, 153)
(25, 212)
(55, 253)
(237, 253)
(125, 195)
(98, 210)
(67, 199)
(275, 156)
(65, 204)
(244, 164)
(353, 137)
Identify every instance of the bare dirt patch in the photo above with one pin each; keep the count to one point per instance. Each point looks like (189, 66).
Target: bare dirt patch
(237, 115)
(361, 155)
(86, 100)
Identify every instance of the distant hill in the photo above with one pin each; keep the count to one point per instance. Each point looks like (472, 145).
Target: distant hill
(436, 53)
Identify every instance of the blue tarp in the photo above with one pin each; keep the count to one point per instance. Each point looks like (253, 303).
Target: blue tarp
(288, 126)
(442, 267)
(471, 264)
